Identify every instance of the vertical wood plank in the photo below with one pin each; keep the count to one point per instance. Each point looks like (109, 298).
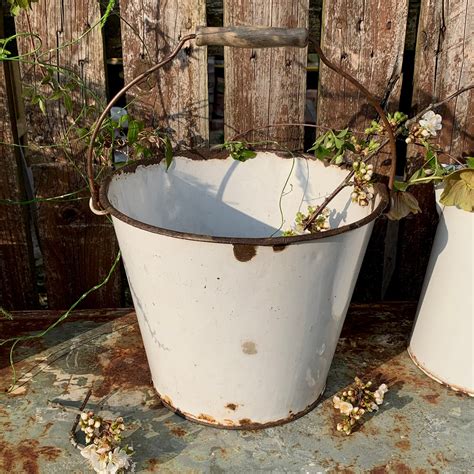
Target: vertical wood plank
(265, 86)
(78, 246)
(67, 41)
(367, 40)
(175, 99)
(444, 63)
(17, 278)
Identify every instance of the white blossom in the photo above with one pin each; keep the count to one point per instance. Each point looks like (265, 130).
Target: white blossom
(379, 394)
(430, 124)
(119, 459)
(345, 408)
(336, 401)
(98, 463)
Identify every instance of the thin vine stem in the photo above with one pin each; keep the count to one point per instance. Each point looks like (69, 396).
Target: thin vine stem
(17, 340)
(396, 133)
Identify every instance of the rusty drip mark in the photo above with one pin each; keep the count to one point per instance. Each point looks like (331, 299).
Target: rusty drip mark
(431, 398)
(246, 421)
(403, 445)
(249, 347)
(179, 432)
(232, 406)
(244, 253)
(207, 418)
(279, 248)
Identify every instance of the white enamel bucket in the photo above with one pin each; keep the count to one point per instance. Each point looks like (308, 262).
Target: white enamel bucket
(239, 328)
(239, 324)
(442, 342)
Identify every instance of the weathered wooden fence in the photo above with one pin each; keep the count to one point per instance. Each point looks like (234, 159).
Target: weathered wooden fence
(62, 242)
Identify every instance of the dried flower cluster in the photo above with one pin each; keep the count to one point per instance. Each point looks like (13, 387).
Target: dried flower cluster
(356, 401)
(103, 450)
(363, 191)
(320, 224)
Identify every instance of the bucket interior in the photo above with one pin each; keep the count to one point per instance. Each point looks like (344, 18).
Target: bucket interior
(258, 198)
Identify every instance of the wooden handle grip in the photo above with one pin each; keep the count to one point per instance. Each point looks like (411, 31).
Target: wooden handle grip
(251, 36)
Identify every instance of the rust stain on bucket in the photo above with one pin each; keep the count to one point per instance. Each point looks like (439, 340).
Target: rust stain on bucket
(279, 248)
(249, 347)
(207, 418)
(232, 406)
(244, 253)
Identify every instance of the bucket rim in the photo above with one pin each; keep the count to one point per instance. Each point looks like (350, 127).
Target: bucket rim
(205, 155)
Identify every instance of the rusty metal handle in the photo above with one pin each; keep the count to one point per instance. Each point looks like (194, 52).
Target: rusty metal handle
(204, 40)
(251, 36)
(94, 201)
(375, 104)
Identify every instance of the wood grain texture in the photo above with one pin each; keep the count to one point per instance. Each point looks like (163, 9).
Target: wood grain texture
(78, 246)
(252, 36)
(444, 63)
(69, 43)
(265, 86)
(175, 99)
(366, 39)
(17, 280)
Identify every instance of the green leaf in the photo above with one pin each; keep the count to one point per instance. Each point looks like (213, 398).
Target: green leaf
(470, 161)
(168, 152)
(400, 185)
(108, 11)
(322, 153)
(343, 133)
(328, 144)
(123, 119)
(401, 205)
(416, 175)
(82, 132)
(42, 104)
(141, 151)
(68, 103)
(338, 159)
(56, 95)
(459, 190)
(244, 155)
(338, 143)
(134, 128)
